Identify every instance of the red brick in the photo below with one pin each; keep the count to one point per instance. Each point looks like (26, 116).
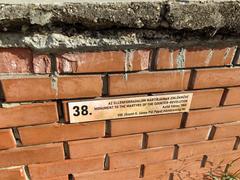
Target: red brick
(108, 61)
(199, 98)
(13, 173)
(41, 88)
(102, 146)
(166, 58)
(194, 57)
(148, 82)
(233, 96)
(30, 114)
(119, 174)
(227, 130)
(166, 167)
(199, 57)
(15, 60)
(177, 136)
(60, 132)
(145, 124)
(41, 63)
(193, 173)
(31, 155)
(138, 157)
(213, 116)
(222, 159)
(9, 141)
(156, 177)
(61, 168)
(79, 86)
(216, 77)
(138, 60)
(205, 147)
(55, 178)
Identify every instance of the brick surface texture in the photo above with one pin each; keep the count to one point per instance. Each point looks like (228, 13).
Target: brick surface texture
(38, 142)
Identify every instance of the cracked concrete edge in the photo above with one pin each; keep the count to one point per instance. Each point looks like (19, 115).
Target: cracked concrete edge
(147, 14)
(92, 41)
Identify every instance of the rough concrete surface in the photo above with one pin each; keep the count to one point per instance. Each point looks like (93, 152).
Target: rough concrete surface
(110, 40)
(148, 14)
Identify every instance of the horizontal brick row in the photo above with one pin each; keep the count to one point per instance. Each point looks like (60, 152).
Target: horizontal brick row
(22, 60)
(46, 88)
(42, 113)
(31, 155)
(120, 84)
(194, 57)
(31, 88)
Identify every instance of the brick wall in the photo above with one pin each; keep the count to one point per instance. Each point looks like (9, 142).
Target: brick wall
(38, 142)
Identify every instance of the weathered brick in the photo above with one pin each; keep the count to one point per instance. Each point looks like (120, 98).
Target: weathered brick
(216, 77)
(194, 57)
(61, 168)
(7, 139)
(105, 61)
(13, 173)
(213, 116)
(145, 124)
(60, 132)
(31, 155)
(138, 157)
(233, 96)
(148, 82)
(30, 114)
(15, 60)
(205, 147)
(119, 174)
(227, 130)
(45, 88)
(41, 63)
(199, 98)
(102, 146)
(177, 136)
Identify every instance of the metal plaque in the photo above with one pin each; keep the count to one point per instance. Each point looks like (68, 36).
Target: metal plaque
(107, 109)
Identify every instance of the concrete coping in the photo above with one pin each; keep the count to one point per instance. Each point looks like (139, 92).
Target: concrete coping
(177, 15)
